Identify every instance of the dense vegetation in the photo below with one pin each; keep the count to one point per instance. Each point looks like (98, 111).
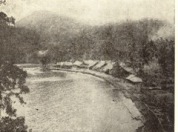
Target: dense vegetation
(12, 79)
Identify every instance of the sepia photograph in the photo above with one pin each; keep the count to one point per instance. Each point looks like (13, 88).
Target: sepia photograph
(87, 66)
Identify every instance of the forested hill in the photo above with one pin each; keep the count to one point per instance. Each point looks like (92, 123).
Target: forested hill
(53, 29)
(68, 39)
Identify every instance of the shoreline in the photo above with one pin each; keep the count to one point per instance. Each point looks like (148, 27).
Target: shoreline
(149, 118)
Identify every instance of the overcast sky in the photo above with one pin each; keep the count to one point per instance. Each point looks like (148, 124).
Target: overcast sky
(95, 11)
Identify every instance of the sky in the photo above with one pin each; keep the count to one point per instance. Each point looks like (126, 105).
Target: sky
(95, 12)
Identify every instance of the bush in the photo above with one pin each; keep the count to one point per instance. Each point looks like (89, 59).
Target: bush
(13, 125)
(151, 74)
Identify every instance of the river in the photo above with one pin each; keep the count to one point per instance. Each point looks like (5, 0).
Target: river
(74, 102)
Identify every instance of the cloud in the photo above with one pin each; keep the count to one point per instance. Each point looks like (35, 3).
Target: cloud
(96, 11)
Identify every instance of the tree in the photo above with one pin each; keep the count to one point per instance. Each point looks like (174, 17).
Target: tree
(166, 57)
(12, 125)
(44, 58)
(149, 52)
(12, 83)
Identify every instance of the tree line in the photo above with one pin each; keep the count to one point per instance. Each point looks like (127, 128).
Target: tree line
(11, 78)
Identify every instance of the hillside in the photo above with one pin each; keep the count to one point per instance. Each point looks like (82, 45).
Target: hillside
(67, 39)
(51, 27)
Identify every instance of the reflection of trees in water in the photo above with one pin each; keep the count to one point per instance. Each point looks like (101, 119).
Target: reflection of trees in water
(12, 82)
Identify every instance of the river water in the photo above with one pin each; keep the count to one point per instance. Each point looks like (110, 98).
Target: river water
(74, 102)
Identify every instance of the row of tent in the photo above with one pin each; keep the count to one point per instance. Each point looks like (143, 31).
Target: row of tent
(116, 69)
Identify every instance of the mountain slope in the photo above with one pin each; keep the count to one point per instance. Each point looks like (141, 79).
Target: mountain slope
(68, 39)
(51, 27)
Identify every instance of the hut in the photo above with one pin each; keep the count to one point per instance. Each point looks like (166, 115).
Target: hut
(108, 67)
(135, 81)
(91, 63)
(118, 71)
(79, 64)
(100, 65)
(66, 65)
